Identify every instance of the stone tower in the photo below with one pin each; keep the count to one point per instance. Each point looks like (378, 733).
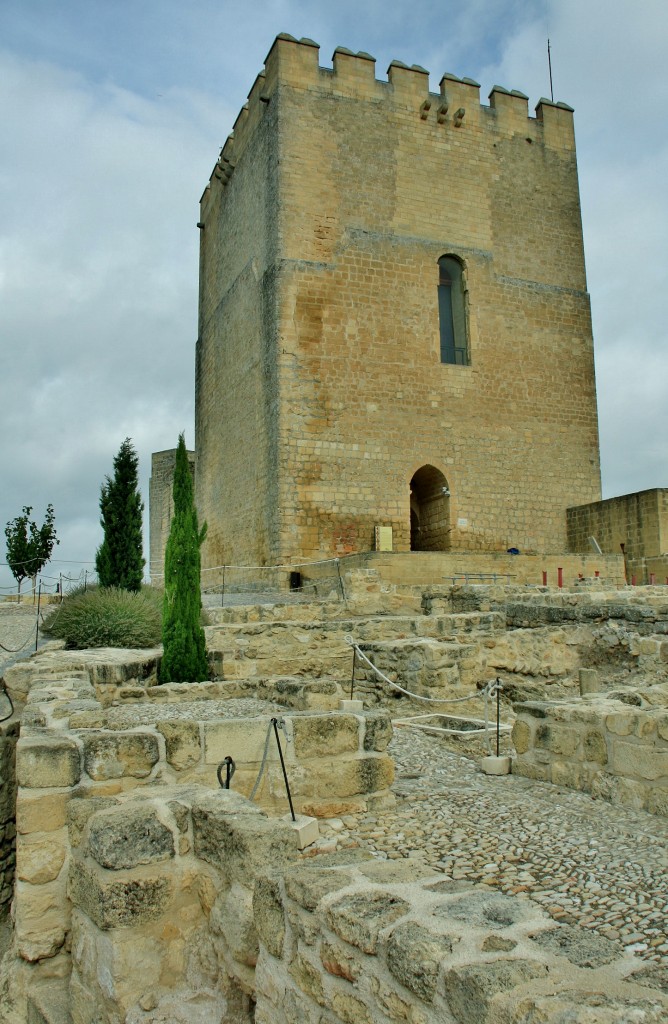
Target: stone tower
(394, 327)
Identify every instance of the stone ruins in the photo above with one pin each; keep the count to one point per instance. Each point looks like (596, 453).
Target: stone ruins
(146, 892)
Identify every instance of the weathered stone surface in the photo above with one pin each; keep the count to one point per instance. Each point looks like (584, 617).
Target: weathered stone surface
(242, 843)
(337, 961)
(581, 947)
(119, 902)
(182, 743)
(40, 812)
(578, 1007)
(112, 755)
(317, 735)
(643, 761)
(360, 917)
(80, 809)
(351, 776)
(521, 736)
(269, 914)
(41, 920)
(350, 1009)
(232, 918)
(40, 858)
(307, 886)
(471, 987)
(392, 871)
(483, 908)
(594, 747)
(414, 955)
(128, 836)
(497, 944)
(242, 739)
(377, 730)
(47, 762)
(557, 739)
(653, 975)
(308, 978)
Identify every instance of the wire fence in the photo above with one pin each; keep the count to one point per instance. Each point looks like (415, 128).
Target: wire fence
(268, 584)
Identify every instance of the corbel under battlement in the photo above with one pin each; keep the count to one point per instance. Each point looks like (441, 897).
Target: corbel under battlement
(294, 63)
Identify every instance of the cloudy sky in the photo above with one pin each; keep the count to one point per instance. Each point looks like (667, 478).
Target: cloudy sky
(112, 115)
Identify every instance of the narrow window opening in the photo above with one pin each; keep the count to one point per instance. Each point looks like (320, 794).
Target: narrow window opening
(452, 312)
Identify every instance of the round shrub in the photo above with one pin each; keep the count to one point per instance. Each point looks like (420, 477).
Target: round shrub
(108, 617)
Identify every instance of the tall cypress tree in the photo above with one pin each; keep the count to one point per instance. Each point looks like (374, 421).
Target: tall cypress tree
(184, 651)
(119, 560)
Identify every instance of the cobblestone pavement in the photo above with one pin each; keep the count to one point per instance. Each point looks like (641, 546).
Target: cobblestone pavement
(584, 861)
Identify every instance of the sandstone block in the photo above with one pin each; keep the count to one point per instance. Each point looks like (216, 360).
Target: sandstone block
(580, 946)
(129, 836)
(377, 730)
(39, 858)
(308, 979)
(359, 918)
(119, 902)
(594, 747)
(643, 761)
(80, 809)
(307, 885)
(414, 955)
(232, 918)
(182, 743)
(351, 776)
(40, 812)
(521, 736)
(41, 919)
(338, 962)
(113, 755)
(47, 762)
(240, 844)
(350, 1009)
(469, 988)
(268, 913)
(243, 739)
(322, 735)
(557, 739)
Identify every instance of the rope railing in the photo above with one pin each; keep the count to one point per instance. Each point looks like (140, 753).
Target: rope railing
(490, 690)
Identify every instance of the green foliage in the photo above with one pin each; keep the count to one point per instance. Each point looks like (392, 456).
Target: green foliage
(107, 617)
(184, 658)
(119, 560)
(29, 546)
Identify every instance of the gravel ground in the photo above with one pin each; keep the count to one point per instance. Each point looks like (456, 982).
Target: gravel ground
(584, 861)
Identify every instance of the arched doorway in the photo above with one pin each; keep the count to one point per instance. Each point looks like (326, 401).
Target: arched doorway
(430, 510)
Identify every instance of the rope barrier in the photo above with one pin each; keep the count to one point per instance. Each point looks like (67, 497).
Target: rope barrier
(491, 689)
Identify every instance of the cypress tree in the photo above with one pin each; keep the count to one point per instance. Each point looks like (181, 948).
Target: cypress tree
(119, 560)
(184, 651)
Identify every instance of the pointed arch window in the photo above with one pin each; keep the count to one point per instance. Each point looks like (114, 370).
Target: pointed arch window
(452, 312)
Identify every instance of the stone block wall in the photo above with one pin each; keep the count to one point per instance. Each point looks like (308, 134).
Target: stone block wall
(192, 907)
(161, 508)
(319, 324)
(598, 745)
(639, 521)
(9, 732)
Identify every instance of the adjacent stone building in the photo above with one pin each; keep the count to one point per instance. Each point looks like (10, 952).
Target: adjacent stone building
(394, 327)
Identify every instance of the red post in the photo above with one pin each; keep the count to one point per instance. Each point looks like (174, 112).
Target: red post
(633, 581)
(652, 579)
(596, 573)
(560, 577)
(545, 578)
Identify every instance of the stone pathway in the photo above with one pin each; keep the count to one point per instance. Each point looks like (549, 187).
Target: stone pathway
(17, 632)
(584, 861)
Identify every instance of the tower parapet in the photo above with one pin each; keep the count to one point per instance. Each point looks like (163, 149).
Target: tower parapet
(294, 63)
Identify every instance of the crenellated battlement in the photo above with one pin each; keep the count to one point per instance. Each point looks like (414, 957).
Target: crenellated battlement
(295, 63)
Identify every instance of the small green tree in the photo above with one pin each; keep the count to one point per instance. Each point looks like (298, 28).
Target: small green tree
(29, 546)
(184, 651)
(119, 560)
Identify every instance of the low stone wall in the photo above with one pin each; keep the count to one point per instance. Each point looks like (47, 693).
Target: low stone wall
(192, 907)
(9, 732)
(598, 745)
